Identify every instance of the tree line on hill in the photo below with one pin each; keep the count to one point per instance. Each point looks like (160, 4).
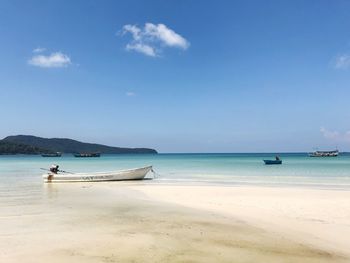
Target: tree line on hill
(27, 144)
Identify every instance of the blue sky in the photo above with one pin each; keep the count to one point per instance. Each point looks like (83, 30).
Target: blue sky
(178, 76)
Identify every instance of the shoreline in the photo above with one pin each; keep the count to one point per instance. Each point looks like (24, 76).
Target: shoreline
(232, 183)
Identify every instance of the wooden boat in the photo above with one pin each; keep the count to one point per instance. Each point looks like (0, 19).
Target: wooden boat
(57, 154)
(268, 162)
(87, 155)
(324, 154)
(122, 175)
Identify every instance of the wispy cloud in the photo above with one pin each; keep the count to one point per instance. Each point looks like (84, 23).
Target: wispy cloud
(130, 94)
(342, 61)
(335, 135)
(151, 39)
(142, 48)
(54, 60)
(39, 50)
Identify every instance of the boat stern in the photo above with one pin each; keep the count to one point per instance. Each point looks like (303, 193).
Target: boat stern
(47, 177)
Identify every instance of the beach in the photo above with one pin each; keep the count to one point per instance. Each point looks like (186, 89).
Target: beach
(312, 216)
(174, 131)
(151, 221)
(196, 208)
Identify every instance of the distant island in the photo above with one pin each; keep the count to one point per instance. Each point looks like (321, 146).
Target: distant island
(28, 144)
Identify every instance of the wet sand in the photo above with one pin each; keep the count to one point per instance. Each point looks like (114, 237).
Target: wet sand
(123, 222)
(314, 216)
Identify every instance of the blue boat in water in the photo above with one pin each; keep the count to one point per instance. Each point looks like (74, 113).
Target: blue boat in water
(273, 161)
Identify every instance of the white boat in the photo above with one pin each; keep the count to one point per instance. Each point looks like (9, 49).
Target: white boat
(324, 153)
(130, 174)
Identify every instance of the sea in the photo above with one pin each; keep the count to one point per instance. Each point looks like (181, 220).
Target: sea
(298, 169)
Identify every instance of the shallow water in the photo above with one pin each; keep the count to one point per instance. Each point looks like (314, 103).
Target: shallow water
(297, 169)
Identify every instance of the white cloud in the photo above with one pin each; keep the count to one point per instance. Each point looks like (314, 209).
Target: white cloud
(54, 60)
(342, 61)
(142, 48)
(335, 135)
(166, 35)
(151, 39)
(39, 50)
(134, 30)
(130, 94)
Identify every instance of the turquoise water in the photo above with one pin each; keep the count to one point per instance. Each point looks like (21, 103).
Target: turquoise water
(297, 169)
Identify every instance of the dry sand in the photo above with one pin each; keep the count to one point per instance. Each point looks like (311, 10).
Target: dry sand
(319, 217)
(146, 222)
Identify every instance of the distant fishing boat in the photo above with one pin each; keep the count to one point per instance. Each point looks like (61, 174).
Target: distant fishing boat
(334, 153)
(276, 161)
(122, 175)
(57, 154)
(87, 155)
(268, 162)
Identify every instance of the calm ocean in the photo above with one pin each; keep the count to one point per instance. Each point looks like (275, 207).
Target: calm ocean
(297, 169)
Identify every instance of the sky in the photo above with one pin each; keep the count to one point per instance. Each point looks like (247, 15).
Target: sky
(178, 76)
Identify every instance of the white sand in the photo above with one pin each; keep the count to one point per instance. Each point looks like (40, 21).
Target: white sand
(148, 222)
(317, 217)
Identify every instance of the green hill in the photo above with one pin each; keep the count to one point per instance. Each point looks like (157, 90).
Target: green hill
(69, 146)
(19, 148)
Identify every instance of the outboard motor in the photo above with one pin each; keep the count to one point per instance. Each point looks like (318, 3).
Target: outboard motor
(54, 168)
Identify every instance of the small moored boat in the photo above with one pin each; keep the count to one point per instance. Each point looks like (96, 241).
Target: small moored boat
(273, 162)
(130, 174)
(57, 154)
(87, 155)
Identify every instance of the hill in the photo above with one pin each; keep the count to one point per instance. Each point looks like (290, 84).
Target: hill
(70, 146)
(19, 148)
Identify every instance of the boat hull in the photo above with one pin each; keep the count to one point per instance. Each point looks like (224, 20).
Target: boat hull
(123, 175)
(87, 155)
(324, 154)
(270, 162)
(51, 155)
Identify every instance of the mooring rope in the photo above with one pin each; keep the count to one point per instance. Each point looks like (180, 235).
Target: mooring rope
(155, 174)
